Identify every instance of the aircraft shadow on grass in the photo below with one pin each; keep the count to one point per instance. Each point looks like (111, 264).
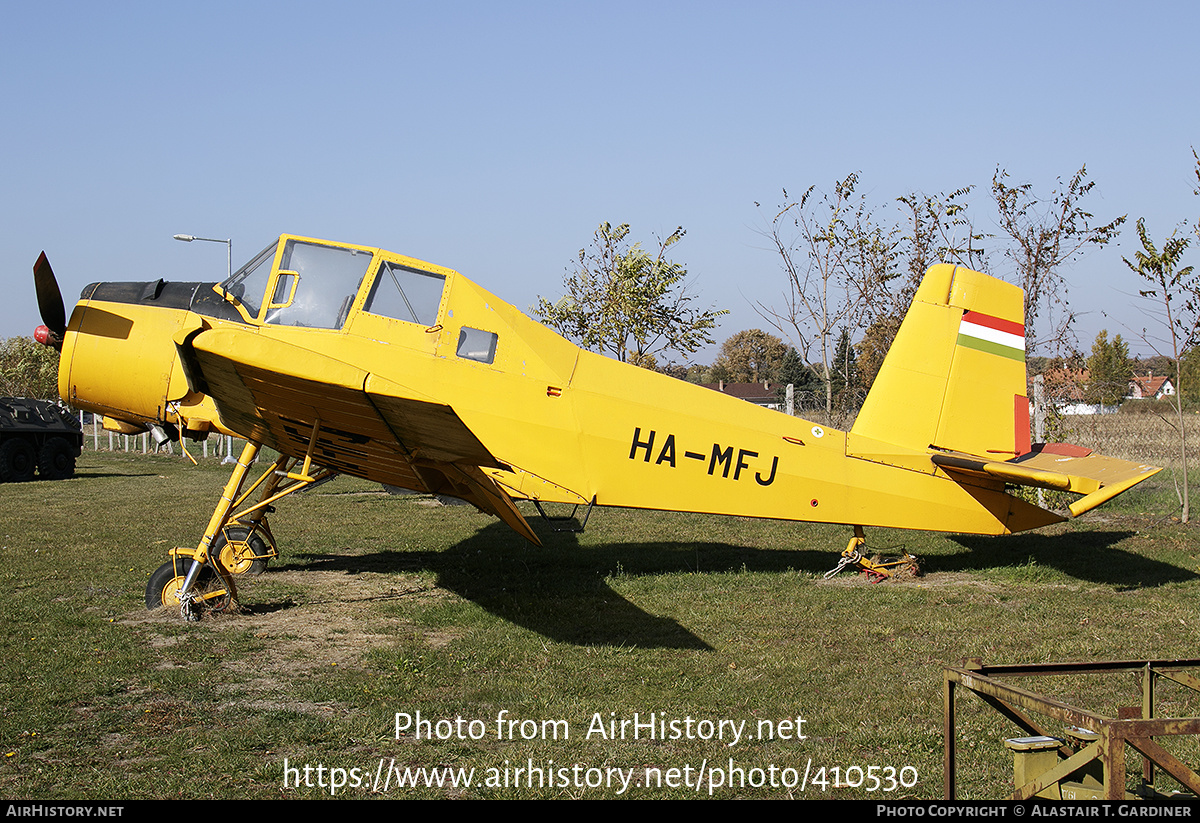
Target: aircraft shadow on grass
(1093, 556)
(560, 590)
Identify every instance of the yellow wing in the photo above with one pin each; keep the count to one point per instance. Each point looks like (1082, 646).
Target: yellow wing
(359, 423)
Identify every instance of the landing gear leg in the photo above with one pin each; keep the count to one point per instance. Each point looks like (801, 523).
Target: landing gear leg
(191, 597)
(876, 568)
(233, 543)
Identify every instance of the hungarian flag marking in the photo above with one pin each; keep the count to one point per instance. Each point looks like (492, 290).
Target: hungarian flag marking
(992, 335)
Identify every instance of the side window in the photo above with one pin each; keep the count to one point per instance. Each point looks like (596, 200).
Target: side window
(406, 294)
(474, 344)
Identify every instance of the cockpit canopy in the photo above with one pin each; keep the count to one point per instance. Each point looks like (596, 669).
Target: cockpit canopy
(299, 282)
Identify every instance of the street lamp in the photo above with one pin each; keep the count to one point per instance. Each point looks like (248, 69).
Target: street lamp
(187, 238)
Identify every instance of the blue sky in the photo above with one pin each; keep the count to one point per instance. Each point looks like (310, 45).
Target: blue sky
(494, 137)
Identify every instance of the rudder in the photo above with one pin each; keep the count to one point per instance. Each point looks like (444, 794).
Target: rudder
(954, 378)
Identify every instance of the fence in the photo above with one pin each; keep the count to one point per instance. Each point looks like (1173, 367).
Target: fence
(94, 434)
(1151, 437)
(811, 406)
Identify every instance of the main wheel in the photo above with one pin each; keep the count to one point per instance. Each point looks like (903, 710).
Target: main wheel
(163, 587)
(17, 460)
(241, 550)
(56, 460)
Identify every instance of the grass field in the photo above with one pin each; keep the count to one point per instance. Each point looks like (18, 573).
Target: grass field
(389, 605)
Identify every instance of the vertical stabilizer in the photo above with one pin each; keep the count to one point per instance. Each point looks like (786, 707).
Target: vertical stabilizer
(954, 377)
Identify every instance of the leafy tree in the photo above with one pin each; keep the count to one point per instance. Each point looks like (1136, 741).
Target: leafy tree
(626, 302)
(28, 369)
(676, 370)
(698, 373)
(873, 347)
(795, 372)
(1155, 364)
(750, 356)
(1188, 379)
(1108, 370)
(845, 372)
(1176, 294)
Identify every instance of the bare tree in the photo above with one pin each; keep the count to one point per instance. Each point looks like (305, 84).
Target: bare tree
(836, 261)
(939, 231)
(848, 271)
(934, 229)
(1045, 236)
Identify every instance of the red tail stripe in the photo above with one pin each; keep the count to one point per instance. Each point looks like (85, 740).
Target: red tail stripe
(981, 319)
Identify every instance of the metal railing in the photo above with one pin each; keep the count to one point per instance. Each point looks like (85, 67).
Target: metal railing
(1135, 726)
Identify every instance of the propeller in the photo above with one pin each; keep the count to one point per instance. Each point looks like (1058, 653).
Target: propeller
(50, 305)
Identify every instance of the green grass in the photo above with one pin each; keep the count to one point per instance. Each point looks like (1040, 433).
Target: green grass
(383, 604)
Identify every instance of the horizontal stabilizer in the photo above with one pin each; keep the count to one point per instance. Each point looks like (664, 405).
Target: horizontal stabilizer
(1056, 466)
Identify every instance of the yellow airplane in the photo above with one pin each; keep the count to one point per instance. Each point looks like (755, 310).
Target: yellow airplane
(354, 360)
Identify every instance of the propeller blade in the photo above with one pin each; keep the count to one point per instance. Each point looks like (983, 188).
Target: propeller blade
(50, 302)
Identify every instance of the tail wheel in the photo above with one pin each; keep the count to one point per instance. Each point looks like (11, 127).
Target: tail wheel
(17, 460)
(165, 584)
(56, 460)
(242, 550)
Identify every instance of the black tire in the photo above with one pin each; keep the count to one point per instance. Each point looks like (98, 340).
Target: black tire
(56, 460)
(232, 546)
(17, 460)
(164, 585)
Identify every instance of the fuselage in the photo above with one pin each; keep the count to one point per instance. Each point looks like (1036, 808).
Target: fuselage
(384, 355)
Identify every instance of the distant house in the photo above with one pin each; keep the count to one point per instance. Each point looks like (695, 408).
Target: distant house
(1066, 389)
(764, 394)
(1149, 386)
